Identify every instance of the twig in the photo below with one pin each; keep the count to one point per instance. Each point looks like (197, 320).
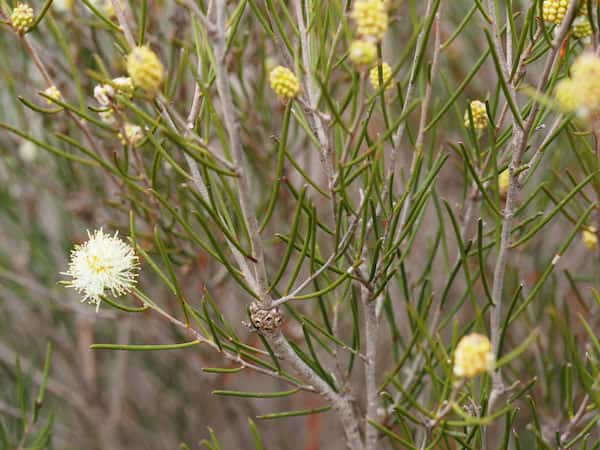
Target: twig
(340, 402)
(539, 152)
(412, 79)
(233, 130)
(334, 256)
(518, 148)
(573, 422)
(199, 182)
(371, 334)
(208, 25)
(317, 120)
(236, 358)
(123, 23)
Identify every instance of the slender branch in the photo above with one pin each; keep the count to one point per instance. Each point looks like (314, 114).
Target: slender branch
(423, 115)
(421, 132)
(233, 130)
(518, 146)
(539, 152)
(123, 22)
(236, 358)
(208, 25)
(317, 120)
(333, 257)
(412, 80)
(199, 182)
(371, 334)
(573, 422)
(340, 402)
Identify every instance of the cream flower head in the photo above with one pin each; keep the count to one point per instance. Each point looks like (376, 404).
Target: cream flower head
(104, 264)
(473, 356)
(131, 134)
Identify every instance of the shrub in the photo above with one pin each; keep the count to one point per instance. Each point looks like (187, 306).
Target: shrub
(369, 224)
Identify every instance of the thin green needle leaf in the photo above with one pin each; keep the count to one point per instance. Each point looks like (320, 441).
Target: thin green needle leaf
(255, 394)
(300, 412)
(150, 347)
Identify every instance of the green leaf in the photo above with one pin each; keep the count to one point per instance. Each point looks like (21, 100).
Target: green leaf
(149, 347)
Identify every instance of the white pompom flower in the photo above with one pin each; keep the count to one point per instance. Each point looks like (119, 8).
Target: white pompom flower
(102, 265)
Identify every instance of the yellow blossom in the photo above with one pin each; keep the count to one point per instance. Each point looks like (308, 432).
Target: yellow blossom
(21, 17)
(589, 237)
(554, 10)
(363, 53)
(386, 76)
(145, 69)
(479, 113)
(371, 18)
(284, 83)
(53, 93)
(581, 93)
(473, 356)
(131, 134)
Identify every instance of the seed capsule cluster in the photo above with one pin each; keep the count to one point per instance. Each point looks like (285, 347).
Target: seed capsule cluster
(265, 320)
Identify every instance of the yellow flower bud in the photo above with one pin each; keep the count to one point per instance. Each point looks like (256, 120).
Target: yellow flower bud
(131, 134)
(473, 356)
(124, 86)
(363, 53)
(582, 28)
(554, 10)
(145, 69)
(21, 17)
(53, 93)
(503, 182)
(284, 83)
(589, 237)
(479, 113)
(371, 18)
(386, 76)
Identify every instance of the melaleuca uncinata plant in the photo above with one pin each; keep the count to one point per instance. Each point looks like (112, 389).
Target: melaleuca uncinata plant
(366, 225)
